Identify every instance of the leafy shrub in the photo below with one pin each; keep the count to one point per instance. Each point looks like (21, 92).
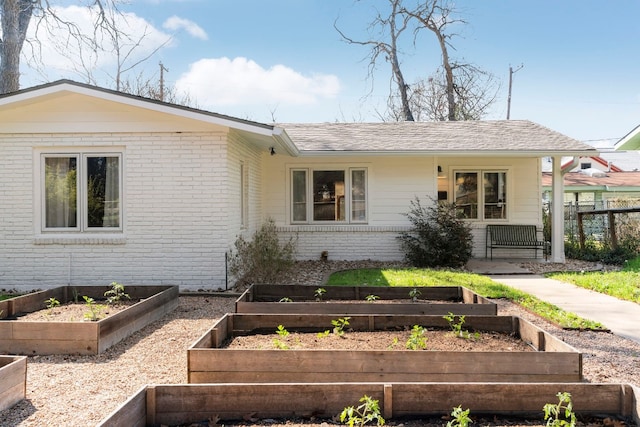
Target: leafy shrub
(439, 237)
(263, 258)
(597, 251)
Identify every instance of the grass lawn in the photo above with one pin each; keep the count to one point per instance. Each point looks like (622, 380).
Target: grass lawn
(481, 285)
(623, 284)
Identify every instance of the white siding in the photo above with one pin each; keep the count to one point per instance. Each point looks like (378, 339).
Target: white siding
(393, 182)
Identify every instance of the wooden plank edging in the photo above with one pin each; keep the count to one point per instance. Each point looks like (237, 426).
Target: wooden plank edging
(175, 404)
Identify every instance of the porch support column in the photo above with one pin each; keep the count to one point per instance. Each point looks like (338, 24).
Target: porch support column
(557, 212)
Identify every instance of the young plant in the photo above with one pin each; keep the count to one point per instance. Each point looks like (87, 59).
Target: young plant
(285, 299)
(458, 327)
(324, 334)
(393, 343)
(116, 294)
(277, 342)
(51, 303)
(319, 293)
(414, 294)
(560, 414)
(94, 309)
(417, 340)
(367, 411)
(371, 298)
(339, 325)
(460, 417)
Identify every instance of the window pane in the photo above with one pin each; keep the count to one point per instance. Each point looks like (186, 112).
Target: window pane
(299, 196)
(103, 191)
(358, 195)
(495, 191)
(60, 182)
(466, 194)
(328, 196)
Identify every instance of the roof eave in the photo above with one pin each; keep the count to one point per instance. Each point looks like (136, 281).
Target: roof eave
(630, 141)
(446, 153)
(70, 86)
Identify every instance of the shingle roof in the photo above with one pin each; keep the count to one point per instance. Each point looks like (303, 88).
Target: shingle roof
(611, 179)
(433, 137)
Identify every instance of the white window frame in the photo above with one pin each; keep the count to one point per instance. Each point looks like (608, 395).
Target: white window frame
(82, 221)
(348, 196)
(508, 202)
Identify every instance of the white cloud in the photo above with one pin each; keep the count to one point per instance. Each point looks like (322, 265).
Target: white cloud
(240, 81)
(176, 23)
(59, 56)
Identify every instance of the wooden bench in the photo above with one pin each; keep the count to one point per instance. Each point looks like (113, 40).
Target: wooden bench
(514, 236)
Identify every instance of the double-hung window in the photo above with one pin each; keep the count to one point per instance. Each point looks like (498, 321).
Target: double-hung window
(81, 192)
(329, 195)
(480, 194)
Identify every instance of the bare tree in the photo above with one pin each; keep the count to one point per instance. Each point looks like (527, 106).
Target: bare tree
(17, 15)
(395, 23)
(457, 90)
(151, 87)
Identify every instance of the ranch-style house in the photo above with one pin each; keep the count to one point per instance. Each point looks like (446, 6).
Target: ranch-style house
(99, 186)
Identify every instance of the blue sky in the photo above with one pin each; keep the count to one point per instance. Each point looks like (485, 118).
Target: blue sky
(282, 60)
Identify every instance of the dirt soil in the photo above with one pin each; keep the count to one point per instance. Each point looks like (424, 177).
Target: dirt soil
(74, 312)
(436, 340)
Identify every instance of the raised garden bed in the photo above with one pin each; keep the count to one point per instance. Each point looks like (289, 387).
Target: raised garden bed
(13, 380)
(79, 337)
(185, 404)
(209, 362)
(437, 300)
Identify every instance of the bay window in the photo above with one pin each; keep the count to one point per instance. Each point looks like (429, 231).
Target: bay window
(481, 194)
(81, 192)
(329, 195)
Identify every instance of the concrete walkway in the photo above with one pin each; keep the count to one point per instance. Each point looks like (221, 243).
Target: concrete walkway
(621, 317)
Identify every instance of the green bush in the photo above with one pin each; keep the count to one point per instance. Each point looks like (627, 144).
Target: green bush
(263, 258)
(438, 238)
(596, 251)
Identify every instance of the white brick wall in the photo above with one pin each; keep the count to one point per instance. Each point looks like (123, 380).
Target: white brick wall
(174, 214)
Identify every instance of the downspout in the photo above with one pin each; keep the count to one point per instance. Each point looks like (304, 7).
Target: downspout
(557, 220)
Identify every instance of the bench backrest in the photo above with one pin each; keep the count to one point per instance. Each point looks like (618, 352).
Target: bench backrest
(512, 233)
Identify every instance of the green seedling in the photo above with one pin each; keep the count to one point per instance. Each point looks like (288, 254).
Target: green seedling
(324, 334)
(459, 417)
(51, 303)
(116, 294)
(282, 331)
(458, 327)
(416, 340)
(94, 309)
(319, 293)
(285, 299)
(339, 325)
(366, 412)
(560, 414)
(278, 343)
(414, 294)
(393, 344)
(372, 298)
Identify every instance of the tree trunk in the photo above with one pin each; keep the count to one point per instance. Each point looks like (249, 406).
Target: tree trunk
(451, 100)
(16, 15)
(395, 66)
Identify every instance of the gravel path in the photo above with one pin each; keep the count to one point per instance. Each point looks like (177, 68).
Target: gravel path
(82, 390)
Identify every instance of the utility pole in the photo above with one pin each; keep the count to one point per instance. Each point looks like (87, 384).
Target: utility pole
(162, 70)
(511, 73)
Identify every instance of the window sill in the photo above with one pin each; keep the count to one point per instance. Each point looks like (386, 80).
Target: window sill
(79, 239)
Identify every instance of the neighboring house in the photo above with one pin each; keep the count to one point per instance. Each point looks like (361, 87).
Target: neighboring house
(98, 186)
(629, 142)
(599, 188)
